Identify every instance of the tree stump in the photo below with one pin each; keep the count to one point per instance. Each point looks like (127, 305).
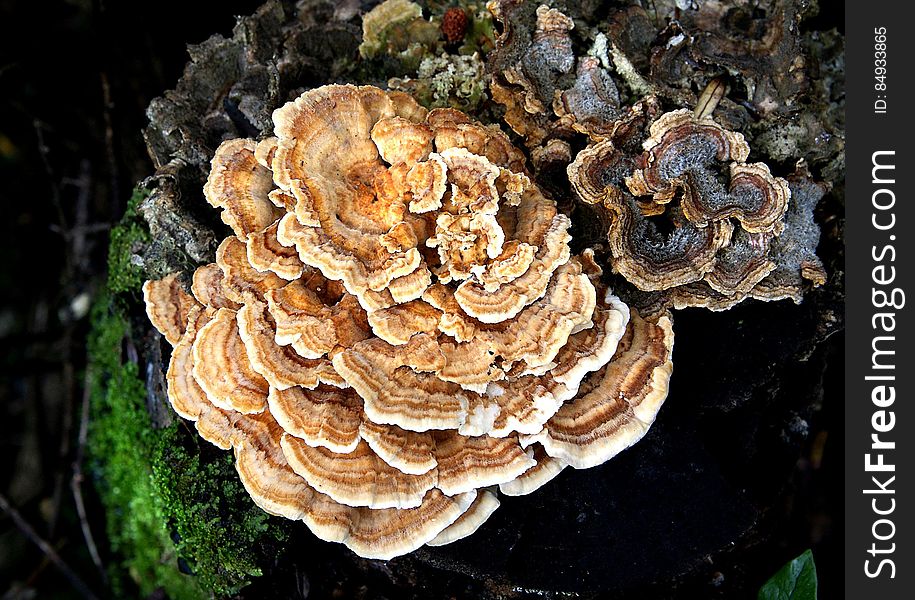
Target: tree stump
(690, 504)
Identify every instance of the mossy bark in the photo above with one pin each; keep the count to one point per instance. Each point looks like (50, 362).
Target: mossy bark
(175, 505)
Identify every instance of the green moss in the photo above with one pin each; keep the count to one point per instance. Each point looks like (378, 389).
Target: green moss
(219, 531)
(126, 237)
(170, 500)
(121, 445)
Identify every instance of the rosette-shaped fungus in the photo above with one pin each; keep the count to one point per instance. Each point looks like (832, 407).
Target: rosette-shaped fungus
(396, 327)
(689, 217)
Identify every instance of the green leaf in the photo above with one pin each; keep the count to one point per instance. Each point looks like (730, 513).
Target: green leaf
(797, 580)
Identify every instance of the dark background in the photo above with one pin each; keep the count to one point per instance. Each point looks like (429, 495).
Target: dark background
(75, 79)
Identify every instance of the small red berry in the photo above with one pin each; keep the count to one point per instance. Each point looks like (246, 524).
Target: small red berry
(454, 25)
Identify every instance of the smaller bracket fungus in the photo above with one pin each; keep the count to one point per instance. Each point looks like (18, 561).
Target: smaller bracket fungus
(762, 48)
(548, 92)
(592, 104)
(794, 251)
(408, 335)
(680, 156)
(690, 218)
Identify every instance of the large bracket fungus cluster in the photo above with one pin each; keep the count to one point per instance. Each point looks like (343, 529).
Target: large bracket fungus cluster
(397, 330)
(692, 219)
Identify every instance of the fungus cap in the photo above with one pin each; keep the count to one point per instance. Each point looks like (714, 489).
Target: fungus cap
(678, 229)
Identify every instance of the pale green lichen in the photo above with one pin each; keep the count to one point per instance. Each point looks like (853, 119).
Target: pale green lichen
(629, 73)
(481, 34)
(397, 28)
(378, 23)
(454, 81)
(599, 50)
(398, 40)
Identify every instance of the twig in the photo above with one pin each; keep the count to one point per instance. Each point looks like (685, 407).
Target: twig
(68, 377)
(46, 548)
(90, 229)
(79, 242)
(45, 152)
(113, 171)
(77, 480)
(76, 269)
(710, 98)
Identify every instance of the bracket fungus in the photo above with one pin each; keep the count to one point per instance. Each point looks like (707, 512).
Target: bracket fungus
(548, 93)
(691, 220)
(396, 328)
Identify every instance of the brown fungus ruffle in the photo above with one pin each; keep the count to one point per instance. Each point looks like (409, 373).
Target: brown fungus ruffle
(401, 340)
(690, 219)
(684, 155)
(759, 46)
(548, 92)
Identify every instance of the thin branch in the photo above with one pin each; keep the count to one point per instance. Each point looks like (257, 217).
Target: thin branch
(79, 243)
(76, 269)
(77, 480)
(89, 229)
(46, 548)
(45, 152)
(69, 385)
(113, 171)
(710, 98)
